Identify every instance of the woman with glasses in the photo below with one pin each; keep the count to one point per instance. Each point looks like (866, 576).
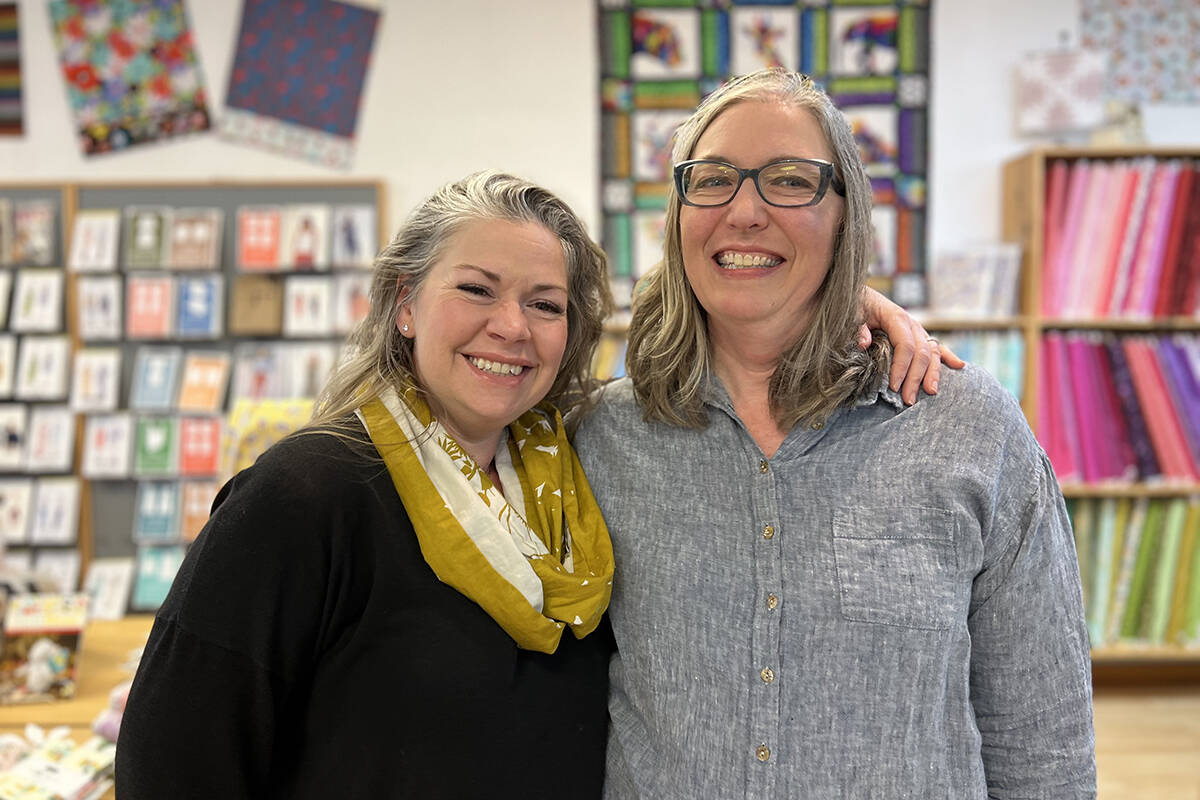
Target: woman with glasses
(823, 591)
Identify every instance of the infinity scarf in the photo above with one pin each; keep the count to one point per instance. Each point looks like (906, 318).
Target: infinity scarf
(536, 558)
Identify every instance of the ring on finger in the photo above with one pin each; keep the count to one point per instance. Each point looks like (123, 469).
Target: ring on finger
(933, 341)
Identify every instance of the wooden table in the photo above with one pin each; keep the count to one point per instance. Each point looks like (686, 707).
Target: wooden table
(104, 651)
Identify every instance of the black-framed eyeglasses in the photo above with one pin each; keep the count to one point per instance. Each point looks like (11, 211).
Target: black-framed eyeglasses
(788, 183)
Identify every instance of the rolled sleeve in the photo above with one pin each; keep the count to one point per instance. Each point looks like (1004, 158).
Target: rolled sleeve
(1030, 667)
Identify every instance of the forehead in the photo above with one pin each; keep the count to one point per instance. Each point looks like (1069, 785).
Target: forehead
(753, 132)
(509, 248)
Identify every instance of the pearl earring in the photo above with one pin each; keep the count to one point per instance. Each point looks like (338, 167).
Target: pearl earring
(404, 329)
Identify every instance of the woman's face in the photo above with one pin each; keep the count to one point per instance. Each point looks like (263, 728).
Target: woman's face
(749, 262)
(489, 325)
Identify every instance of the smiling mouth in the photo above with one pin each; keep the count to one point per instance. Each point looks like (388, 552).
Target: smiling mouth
(730, 259)
(496, 367)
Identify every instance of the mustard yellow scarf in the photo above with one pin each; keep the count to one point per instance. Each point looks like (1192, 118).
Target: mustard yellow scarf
(538, 561)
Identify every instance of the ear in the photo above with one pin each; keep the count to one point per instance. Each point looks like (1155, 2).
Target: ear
(404, 315)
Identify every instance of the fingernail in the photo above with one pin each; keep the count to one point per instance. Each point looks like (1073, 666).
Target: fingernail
(935, 384)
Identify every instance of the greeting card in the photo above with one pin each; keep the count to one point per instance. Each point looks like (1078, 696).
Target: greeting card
(258, 242)
(257, 372)
(37, 301)
(155, 448)
(34, 234)
(307, 306)
(16, 499)
(12, 437)
(50, 442)
(42, 368)
(155, 378)
(107, 585)
(306, 237)
(55, 518)
(6, 231)
(198, 497)
(306, 367)
(99, 308)
(156, 512)
(198, 311)
(149, 306)
(8, 364)
(352, 300)
(199, 446)
(107, 446)
(205, 377)
(156, 569)
(194, 241)
(59, 567)
(145, 234)
(94, 243)
(354, 236)
(5, 289)
(97, 379)
(256, 307)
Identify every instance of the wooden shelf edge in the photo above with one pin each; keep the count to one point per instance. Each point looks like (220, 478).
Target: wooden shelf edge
(1119, 324)
(1126, 653)
(1130, 490)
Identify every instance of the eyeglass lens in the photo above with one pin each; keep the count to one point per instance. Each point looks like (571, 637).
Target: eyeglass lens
(789, 183)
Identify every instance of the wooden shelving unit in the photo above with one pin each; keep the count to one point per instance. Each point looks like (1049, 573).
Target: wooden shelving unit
(1024, 192)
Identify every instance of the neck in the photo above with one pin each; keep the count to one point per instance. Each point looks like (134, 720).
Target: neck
(745, 361)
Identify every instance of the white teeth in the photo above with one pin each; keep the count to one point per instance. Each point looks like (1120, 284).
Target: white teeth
(732, 259)
(497, 368)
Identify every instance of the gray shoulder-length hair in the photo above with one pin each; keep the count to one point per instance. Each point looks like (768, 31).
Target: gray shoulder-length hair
(378, 356)
(668, 356)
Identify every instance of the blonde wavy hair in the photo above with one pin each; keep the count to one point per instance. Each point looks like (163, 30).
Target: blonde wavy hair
(379, 357)
(668, 357)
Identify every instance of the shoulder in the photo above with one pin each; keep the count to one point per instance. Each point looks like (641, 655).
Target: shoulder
(973, 413)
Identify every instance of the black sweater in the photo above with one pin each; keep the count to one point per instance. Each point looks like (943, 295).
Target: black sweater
(306, 650)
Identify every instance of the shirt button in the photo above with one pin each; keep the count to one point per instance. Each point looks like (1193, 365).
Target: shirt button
(772, 602)
(762, 752)
(763, 466)
(767, 675)
(768, 531)
(816, 426)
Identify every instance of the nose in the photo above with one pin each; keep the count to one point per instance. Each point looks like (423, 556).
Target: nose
(747, 209)
(508, 322)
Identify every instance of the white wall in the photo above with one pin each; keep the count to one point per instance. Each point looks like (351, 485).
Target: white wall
(460, 85)
(453, 86)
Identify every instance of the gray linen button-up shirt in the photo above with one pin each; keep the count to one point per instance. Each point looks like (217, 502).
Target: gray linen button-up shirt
(889, 607)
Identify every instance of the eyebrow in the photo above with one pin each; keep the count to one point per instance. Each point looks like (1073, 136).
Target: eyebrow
(495, 278)
(772, 160)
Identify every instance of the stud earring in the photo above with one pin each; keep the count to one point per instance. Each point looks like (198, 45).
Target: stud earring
(404, 329)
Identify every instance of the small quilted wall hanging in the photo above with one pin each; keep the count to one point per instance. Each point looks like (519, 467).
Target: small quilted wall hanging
(297, 78)
(659, 58)
(1061, 91)
(131, 71)
(10, 72)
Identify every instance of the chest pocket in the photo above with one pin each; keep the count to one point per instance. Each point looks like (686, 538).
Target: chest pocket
(897, 566)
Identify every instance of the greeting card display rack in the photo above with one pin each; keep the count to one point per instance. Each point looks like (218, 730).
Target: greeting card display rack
(108, 509)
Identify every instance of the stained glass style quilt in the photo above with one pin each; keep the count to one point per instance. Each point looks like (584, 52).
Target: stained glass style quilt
(131, 71)
(297, 78)
(659, 58)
